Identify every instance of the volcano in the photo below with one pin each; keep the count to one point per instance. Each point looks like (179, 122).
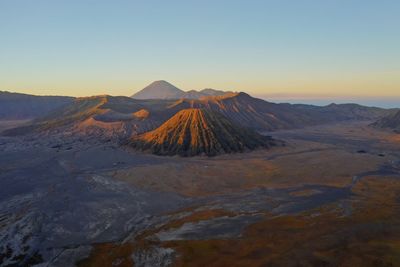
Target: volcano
(194, 131)
(159, 90)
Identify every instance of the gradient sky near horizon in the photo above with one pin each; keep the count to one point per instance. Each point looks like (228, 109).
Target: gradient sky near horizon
(307, 50)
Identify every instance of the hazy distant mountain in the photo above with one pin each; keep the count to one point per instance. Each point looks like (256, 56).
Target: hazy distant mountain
(357, 112)
(192, 94)
(159, 90)
(165, 90)
(22, 106)
(389, 122)
(213, 92)
(198, 131)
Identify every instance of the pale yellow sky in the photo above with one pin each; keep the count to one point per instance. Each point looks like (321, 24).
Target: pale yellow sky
(382, 84)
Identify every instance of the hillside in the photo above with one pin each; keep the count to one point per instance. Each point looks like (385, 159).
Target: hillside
(258, 114)
(199, 131)
(389, 122)
(120, 117)
(15, 106)
(99, 116)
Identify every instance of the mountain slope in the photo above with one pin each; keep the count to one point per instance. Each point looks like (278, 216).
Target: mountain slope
(192, 94)
(258, 114)
(389, 122)
(159, 90)
(356, 112)
(198, 131)
(98, 116)
(22, 106)
(120, 117)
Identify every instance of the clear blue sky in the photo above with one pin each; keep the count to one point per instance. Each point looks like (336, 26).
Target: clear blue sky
(297, 48)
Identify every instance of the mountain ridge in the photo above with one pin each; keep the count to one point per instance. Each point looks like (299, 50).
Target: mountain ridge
(250, 112)
(25, 106)
(240, 108)
(389, 122)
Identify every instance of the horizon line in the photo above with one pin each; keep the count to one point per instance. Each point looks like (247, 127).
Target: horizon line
(291, 98)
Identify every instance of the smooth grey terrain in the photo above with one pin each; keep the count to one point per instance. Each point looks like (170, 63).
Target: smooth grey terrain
(59, 198)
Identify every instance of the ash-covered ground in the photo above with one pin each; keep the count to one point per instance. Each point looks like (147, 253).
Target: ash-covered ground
(68, 202)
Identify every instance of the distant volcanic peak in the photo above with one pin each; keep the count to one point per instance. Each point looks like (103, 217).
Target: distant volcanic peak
(195, 131)
(159, 90)
(163, 83)
(164, 90)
